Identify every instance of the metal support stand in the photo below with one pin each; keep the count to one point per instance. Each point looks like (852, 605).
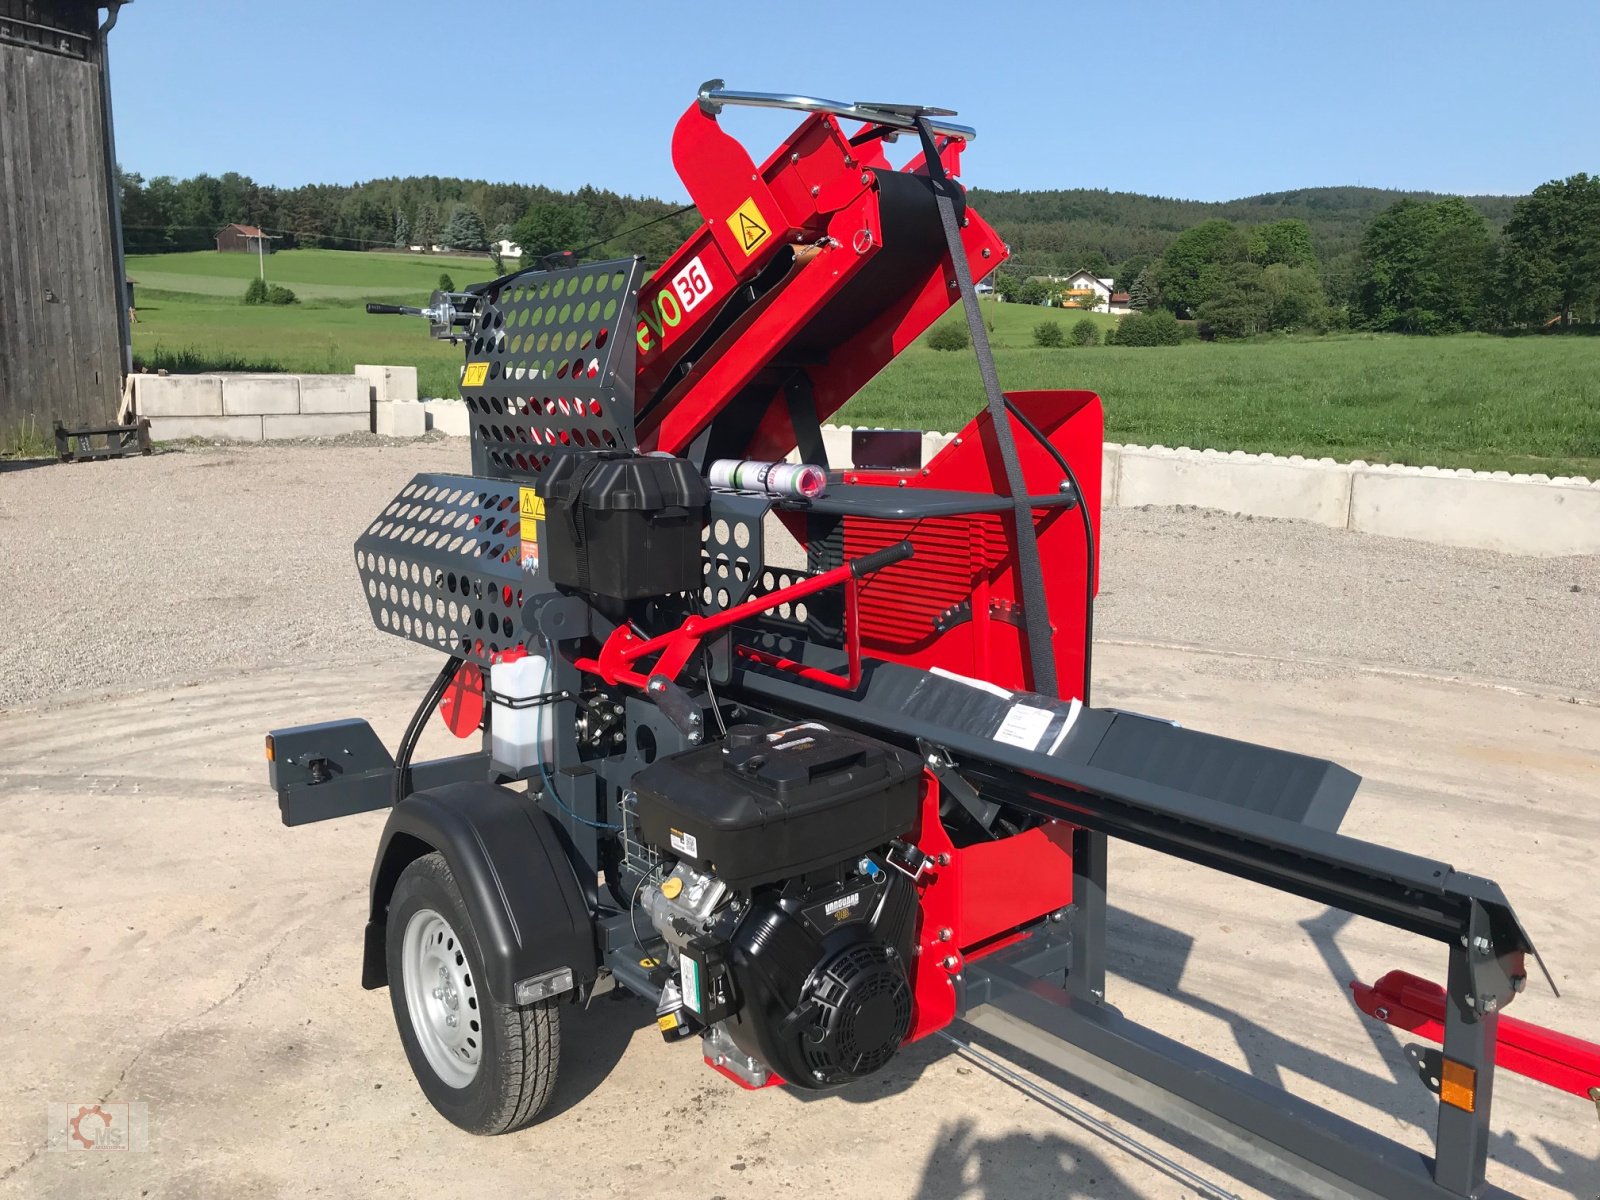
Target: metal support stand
(1086, 979)
(1462, 1140)
(1245, 1118)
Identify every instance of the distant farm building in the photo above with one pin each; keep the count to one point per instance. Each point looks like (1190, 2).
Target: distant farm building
(1088, 291)
(64, 338)
(244, 239)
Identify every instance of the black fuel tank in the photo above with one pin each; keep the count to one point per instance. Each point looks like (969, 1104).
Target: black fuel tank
(767, 804)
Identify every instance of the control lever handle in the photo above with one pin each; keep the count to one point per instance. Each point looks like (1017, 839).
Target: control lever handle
(879, 559)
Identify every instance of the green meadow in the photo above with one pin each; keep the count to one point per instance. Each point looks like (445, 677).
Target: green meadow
(1491, 403)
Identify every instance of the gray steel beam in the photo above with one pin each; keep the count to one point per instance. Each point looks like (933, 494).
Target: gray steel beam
(1258, 1123)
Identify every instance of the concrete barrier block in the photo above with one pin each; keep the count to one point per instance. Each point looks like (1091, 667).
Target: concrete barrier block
(836, 441)
(335, 394)
(399, 418)
(314, 425)
(177, 395)
(1543, 519)
(389, 384)
(449, 417)
(212, 429)
(932, 443)
(255, 395)
(1262, 487)
(1110, 474)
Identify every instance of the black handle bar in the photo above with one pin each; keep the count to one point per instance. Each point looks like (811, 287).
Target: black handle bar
(879, 559)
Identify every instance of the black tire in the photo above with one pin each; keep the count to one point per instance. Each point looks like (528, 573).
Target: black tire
(521, 1046)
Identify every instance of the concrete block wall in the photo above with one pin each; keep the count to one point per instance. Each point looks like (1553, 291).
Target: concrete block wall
(448, 416)
(253, 408)
(1514, 514)
(392, 392)
(1511, 514)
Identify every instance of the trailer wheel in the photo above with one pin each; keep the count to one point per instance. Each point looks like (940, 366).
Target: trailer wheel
(487, 1067)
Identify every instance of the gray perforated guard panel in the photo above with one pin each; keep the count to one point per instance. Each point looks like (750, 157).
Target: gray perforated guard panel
(560, 354)
(441, 565)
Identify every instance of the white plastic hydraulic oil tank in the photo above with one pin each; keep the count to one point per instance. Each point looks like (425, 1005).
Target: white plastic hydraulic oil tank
(521, 730)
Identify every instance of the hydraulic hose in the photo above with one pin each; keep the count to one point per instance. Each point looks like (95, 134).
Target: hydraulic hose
(413, 733)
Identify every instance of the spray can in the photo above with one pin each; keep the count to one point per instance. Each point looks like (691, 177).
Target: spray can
(800, 481)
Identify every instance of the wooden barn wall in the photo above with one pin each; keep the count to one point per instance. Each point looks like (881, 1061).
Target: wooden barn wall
(59, 357)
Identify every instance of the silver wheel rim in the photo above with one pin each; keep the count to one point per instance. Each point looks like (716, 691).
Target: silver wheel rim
(442, 998)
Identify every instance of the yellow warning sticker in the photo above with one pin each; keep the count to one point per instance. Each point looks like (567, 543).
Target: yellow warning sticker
(749, 227)
(532, 504)
(475, 374)
(532, 512)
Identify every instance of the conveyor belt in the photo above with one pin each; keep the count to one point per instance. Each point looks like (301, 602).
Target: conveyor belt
(1258, 813)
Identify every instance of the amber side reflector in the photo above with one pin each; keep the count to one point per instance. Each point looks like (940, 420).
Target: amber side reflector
(270, 750)
(1458, 1085)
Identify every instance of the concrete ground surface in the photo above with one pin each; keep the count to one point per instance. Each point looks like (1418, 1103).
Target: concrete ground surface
(169, 943)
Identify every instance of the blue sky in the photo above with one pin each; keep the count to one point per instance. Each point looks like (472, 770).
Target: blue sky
(1206, 101)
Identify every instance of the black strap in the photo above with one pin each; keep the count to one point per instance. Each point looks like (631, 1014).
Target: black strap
(1035, 616)
(576, 515)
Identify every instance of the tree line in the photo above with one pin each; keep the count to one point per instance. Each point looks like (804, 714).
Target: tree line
(165, 214)
(1318, 258)
(1438, 265)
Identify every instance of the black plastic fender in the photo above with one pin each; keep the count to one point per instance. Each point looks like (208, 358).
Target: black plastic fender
(516, 879)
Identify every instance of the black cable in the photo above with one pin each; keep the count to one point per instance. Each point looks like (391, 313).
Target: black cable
(677, 212)
(413, 733)
(479, 289)
(716, 709)
(1088, 540)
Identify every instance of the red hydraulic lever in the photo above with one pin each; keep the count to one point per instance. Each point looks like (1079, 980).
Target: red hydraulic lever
(1408, 1002)
(623, 649)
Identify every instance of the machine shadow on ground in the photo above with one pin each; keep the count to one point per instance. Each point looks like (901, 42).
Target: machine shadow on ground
(965, 1166)
(593, 1041)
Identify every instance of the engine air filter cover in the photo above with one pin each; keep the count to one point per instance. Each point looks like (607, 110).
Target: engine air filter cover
(767, 804)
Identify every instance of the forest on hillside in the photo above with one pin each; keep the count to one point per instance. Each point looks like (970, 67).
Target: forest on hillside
(1084, 227)
(1311, 259)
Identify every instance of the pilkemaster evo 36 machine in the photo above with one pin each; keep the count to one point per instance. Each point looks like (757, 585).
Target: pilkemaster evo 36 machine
(805, 759)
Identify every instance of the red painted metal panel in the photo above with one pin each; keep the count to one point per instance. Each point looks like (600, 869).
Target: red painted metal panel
(971, 896)
(971, 558)
(1417, 1005)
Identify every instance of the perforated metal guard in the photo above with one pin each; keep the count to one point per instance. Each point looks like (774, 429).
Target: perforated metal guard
(440, 565)
(734, 549)
(560, 354)
(736, 570)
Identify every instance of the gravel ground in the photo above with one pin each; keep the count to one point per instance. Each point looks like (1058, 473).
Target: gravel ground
(204, 561)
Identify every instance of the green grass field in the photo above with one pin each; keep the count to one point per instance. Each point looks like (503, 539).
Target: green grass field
(191, 318)
(311, 274)
(1518, 404)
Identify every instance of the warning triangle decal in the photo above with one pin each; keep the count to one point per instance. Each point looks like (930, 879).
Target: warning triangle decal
(749, 226)
(750, 234)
